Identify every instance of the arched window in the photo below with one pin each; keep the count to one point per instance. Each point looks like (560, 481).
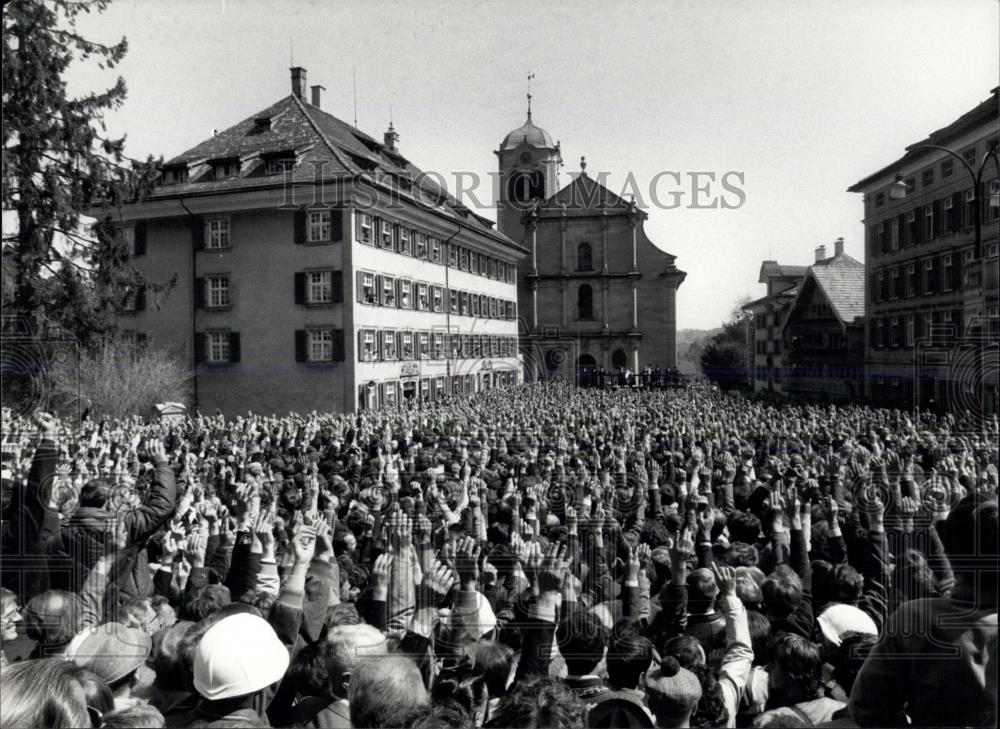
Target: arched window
(619, 359)
(584, 257)
(585, 302)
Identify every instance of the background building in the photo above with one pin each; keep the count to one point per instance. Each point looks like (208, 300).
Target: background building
(317, 269)
(931, 303)
(768, 321)
(594, 290)
(824, 330)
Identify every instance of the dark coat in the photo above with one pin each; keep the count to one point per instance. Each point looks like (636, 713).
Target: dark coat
(82, 539)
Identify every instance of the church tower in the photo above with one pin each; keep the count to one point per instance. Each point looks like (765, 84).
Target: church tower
(529, 172)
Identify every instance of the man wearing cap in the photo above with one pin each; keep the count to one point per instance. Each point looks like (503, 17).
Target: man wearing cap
(673, 694)
(115, 653)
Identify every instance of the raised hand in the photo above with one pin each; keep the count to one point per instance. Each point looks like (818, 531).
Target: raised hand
(436, 585)
(467, 562)
(553, 569)
(725, 578)
(304, 544)
(380, 576)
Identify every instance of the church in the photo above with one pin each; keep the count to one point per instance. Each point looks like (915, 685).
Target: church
(594, 292)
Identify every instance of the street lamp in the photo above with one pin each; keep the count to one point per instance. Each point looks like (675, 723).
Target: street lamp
(975, 273)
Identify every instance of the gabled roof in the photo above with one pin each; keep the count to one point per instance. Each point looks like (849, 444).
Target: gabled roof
(771, 269)
(984, 113)
(324, 146)
(585, 193)
(786, 294)
(841, 279)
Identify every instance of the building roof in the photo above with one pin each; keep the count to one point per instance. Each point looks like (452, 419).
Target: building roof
(771, 269)
(324, 147)
(528, 134)
(842, 281)
(786, 294)
(983, 114)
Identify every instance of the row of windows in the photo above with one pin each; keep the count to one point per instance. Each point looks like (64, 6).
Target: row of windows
(379, 289)
(387, 235)
(761, 346)
(392, 392)
(386, 345)
(927, 222)
(903, 331)
(223, 169)
(946, 168)
(924, 276)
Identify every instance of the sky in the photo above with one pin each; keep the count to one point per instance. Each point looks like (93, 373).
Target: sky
(798, 99)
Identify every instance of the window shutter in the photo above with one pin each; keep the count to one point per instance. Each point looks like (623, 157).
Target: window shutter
(234, 346)
(337, 284)
(199, 347)
(140, 299)
(381, 393)
(338, 345)
(918, 222)
(361, 345)
(336, 225)
(199, 293)
(956, 268)
(378, 290)
(901, 229)
(956, 211)
(300, 288)
(957, 323)
(300, 345)
(140, 239)
(300, 226)
(198, 233)
(984, 203)
(936, 212)
(359, 286)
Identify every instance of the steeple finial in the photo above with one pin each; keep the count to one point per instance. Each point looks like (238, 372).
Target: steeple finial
(583, 166)
(530, 76)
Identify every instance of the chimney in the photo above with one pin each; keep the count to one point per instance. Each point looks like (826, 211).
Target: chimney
(317, 95)
(838, 246)
(299, 82)
(390, 138)
(820, 253)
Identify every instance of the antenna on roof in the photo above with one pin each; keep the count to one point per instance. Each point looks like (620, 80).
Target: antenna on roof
(390, 113)
(291, 51)
(354, 73)
(530, 76)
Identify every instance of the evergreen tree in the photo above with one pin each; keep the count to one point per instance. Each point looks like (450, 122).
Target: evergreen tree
(59, 165)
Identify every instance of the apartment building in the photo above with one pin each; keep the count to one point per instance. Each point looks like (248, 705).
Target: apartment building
(769, 314)
(315, 267)
(931, 296)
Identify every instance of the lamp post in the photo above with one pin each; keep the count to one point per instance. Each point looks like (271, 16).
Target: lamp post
(974, 273)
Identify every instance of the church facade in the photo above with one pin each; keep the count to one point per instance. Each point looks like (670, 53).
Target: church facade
(594, 291)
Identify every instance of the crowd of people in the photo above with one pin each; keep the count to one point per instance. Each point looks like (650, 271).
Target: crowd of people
(531, 556)
(646, 377)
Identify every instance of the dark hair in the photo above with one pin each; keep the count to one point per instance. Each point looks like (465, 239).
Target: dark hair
(463, 684)
(137, 716)
(540, 703)
(702, 591)
(53, 617)
(741, 554)
(440, 715)
(582, 637)
(760, 634)
(95, 494)
(654, 534)
(782, 592)
(711, 711)
(743, 527)
(687, 650)
(851, 654)
(971, 531)
(629, 655)
(913, 577)
(42, 693)
(307, 671)
(846, 584)
(494, 659)
(168, 659)
(800, 660)
(205, 602)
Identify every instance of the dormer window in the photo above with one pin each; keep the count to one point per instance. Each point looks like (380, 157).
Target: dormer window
(277, 164)
(223, 169)
(174, 174)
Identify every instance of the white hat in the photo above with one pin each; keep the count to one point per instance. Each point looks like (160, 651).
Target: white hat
(238, 656)
(839, 619)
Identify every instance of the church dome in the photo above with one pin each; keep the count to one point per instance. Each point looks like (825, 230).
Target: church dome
(528, 134)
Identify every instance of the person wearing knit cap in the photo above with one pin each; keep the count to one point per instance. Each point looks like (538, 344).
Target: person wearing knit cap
(236, 659)
(673, 693)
